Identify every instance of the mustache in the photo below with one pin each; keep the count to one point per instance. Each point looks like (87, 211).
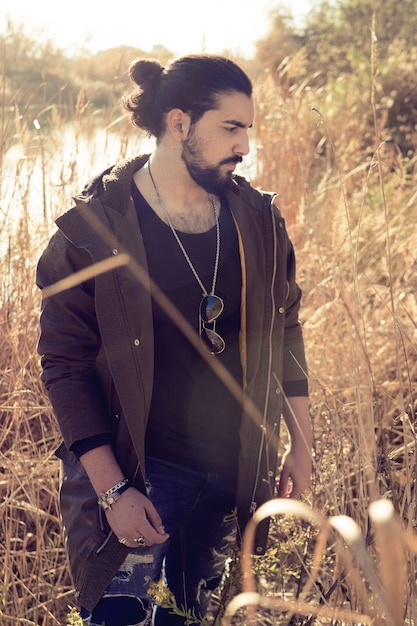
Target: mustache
(234, 159)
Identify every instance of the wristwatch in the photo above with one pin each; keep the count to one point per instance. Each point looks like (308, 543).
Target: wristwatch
(109, 497)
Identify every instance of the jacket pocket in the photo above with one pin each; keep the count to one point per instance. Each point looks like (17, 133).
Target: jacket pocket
(85, 529)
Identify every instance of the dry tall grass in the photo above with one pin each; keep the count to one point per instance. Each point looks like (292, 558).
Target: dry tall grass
(354, 230)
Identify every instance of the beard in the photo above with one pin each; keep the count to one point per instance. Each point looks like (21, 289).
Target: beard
(208, 177)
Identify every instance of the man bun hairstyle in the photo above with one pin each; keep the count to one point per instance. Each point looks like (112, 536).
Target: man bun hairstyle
(191, 83)
(144, 71)
(142, 102)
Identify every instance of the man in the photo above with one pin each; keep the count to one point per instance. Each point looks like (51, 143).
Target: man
(169, 371)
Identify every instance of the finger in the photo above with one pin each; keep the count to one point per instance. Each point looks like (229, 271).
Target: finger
(154, 518)
(151, 534)
(295, 492)
(139, 540)
(283, 483)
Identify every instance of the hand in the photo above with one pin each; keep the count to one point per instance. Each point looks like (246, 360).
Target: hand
(297, 462)
(295, 474)
(134, 515)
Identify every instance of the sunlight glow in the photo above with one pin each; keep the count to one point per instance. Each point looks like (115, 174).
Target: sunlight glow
(347, 528)
(183, 27)
(381, 511)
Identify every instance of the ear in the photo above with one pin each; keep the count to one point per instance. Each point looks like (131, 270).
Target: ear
(178, 124)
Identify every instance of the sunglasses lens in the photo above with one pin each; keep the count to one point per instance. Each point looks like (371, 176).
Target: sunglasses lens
(213, 342)
(210, 308)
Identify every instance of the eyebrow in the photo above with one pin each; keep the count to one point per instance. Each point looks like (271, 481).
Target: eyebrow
(237, 123)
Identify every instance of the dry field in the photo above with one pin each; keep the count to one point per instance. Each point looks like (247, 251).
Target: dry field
(353, 226)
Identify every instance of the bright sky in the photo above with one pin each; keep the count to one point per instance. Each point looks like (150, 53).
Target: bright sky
(182, 26)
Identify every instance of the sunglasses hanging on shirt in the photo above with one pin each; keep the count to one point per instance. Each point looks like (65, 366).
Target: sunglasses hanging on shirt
(211, 307)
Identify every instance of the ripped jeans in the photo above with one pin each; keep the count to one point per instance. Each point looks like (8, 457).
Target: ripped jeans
(198, 513)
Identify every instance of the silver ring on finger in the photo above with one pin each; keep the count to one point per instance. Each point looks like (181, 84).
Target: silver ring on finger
(140, 541)
(123, 541)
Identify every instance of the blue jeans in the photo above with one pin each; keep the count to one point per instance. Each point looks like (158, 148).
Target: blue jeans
(197, 510)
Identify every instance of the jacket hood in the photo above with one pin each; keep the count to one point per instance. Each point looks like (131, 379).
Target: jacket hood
(113, 186)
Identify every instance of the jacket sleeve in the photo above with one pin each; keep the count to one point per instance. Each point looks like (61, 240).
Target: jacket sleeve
(69, 344)
(295, 377)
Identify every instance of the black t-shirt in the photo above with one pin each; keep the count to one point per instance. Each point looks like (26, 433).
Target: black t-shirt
(194, 420)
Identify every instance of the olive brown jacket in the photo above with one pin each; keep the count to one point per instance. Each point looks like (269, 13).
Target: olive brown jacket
(96, 347)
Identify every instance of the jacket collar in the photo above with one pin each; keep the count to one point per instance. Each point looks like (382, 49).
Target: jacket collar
(113, 186)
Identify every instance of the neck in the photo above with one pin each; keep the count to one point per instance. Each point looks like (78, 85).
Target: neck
(188, 207)
(183, 250)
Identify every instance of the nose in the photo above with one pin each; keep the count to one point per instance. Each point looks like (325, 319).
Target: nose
(242, 147)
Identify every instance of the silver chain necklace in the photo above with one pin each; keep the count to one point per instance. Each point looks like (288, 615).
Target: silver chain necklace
(183, 250)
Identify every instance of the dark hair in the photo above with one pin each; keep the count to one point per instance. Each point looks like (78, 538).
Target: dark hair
(191, 83)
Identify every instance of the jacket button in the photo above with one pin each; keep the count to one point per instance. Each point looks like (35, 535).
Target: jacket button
(115, 251)
(277, 391)
(259, 549)
(137, 342)
(281, 309)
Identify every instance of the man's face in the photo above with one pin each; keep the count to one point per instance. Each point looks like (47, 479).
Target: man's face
(218, 141)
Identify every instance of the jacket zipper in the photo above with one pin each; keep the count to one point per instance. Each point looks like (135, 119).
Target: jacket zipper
(253, 504)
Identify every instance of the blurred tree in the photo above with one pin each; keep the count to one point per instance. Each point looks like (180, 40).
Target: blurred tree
(358, 45)
(281, 43)
(104, 76)
(375, 42)
(38, 74)
(338, 34)
(35, 80)
(32, 65)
